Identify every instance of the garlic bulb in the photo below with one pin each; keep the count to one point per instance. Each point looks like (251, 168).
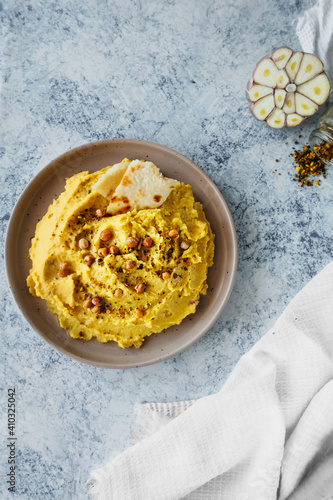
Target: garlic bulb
(287, 87)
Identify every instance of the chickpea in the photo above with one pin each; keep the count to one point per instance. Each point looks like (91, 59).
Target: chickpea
(114, 250)
(184, 245)
(97, 301)
(102, 252)
(63, 269)
(147, 242)
(106, 235)
(89, 259)
(138, 313)
(83, 243)
(88, 303)
(140, 288)
(166, 275)
(63, 274)
(129, 264)
(132, 242)
(173, 233)
(100, 212)
(96, 309)
(118, 293)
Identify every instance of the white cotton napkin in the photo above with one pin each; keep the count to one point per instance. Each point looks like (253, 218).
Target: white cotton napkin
(268, 433)
(315, 33)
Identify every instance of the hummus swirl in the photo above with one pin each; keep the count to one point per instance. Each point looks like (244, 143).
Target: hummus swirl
(100, 294)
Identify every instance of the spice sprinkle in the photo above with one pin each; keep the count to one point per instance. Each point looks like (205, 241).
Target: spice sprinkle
(311, 163)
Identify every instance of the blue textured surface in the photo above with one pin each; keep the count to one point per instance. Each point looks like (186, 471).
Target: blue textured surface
(173, 72)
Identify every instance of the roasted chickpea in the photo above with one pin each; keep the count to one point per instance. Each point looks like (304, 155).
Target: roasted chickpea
(118, 293)
(140, 288)
(132, 242)
(106, 235)
(147, 242)
(83, 244)
(114, 250)
(184, 245)
(89, 259)
(129, 264)
(173, 233)
(97, 301)
(100, 212)
(96, 309)
(138, 313)
(166, 275)
(88, 303)
(102, 252)
(63, 269)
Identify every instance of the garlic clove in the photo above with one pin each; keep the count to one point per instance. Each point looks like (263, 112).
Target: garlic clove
(294, 119)
(294, 64)
(316, 89)
(279, 98)
(310, 67)
(266, 73)
(290, 105)
(304, 106)
(282, 79)
(263, 107)
(281, 56)
(258, 91)
(276, 119)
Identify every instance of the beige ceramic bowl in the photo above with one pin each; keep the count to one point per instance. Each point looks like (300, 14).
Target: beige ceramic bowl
(50, 182)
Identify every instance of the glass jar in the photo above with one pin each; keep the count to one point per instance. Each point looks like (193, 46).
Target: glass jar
(324, 132)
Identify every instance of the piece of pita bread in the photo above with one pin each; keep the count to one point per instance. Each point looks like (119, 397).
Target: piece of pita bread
(108, 182)
(142, 186)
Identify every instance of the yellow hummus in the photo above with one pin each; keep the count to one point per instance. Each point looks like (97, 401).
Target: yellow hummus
(96, 293)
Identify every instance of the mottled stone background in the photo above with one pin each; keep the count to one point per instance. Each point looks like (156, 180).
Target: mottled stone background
(173, 72)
